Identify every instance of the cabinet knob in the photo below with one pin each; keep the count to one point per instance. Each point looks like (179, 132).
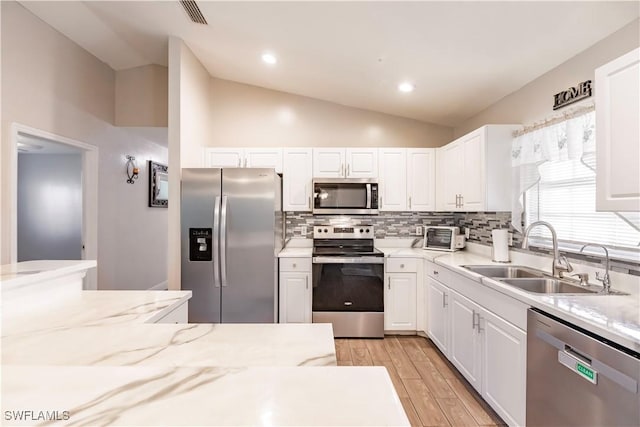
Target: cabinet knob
(401, 265)
(294, 265)
(435, 272)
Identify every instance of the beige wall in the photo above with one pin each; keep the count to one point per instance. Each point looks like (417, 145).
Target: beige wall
(250, 116)
(534, 101)
(52, 84)
(189, 127)
(141, 96)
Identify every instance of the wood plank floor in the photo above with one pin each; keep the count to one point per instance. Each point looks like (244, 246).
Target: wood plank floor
(431, 390)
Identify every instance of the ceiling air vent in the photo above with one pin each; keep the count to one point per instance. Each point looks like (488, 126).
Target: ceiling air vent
(192, 9)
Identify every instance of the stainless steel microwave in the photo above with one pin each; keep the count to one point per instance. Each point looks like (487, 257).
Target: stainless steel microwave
(350, 196)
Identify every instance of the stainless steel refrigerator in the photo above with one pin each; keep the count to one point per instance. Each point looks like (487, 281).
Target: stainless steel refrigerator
(231, 235)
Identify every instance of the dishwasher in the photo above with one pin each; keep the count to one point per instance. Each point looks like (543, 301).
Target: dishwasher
(576, 378)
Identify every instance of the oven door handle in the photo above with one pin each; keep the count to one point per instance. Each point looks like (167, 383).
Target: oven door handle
(348, 260)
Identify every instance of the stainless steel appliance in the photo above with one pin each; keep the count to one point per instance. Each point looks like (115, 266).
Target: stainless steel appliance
(348, 281)
(576, 378)
(231, 235)
(348, 196)
(443, 238)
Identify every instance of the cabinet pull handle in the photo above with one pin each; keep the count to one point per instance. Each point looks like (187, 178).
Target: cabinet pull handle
(306, 282)
(310, 207)
(435, 272)
(461, 200)
(473, 320)
(409, 202)
(347, 170)
(444, 300)
(389, 284)
(239, 162)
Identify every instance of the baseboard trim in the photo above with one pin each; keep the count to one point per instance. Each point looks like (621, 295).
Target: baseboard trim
(162, 286)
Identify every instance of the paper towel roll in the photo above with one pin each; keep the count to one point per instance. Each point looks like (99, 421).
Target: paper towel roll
(500, 250)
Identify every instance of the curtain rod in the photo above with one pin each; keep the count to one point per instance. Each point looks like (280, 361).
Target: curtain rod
(556, 119)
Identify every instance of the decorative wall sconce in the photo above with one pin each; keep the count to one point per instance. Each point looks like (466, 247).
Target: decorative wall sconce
(132, 169)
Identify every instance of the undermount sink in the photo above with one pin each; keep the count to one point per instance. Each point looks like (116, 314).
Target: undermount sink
(534, 281)
(547, 285)
(504, 271)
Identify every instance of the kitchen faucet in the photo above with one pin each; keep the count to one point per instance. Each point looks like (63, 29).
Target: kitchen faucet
(606, 282)
(560, 263)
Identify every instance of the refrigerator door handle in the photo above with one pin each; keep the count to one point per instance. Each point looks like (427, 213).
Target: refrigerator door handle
(216, 243)
(223, 242)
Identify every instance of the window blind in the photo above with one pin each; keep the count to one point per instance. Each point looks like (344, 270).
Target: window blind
(565, 196)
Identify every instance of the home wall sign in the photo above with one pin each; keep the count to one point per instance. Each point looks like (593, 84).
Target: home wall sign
(571, 95)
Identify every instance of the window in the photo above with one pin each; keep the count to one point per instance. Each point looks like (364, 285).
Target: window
(565, 197)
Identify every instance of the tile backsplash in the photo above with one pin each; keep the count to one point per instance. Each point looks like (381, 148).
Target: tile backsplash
(403, 224)
(387, 224)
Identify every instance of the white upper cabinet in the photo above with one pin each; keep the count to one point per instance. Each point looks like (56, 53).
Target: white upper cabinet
(474, 171)
(264, 158)
(224, 157)
(329, 162)
(421, 179)
(296, 179)
(345, 162)
(392, 182)
(362, 163)
(244, 158)
(617, 88)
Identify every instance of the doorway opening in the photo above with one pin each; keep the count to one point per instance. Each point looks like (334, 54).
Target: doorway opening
(55, 199)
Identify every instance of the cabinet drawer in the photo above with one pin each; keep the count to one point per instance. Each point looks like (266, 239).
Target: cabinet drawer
(434, 270)
(402, 265)
(295, 264)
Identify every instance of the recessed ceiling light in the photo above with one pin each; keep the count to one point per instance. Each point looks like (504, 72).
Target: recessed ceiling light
(406, 87)
(269, 58)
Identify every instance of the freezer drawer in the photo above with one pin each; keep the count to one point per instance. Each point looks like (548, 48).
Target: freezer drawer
(575, 378)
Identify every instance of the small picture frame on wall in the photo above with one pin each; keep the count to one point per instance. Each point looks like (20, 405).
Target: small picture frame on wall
(158, 185)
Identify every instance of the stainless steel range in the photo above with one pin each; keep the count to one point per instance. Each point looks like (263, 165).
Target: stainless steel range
(348, 281)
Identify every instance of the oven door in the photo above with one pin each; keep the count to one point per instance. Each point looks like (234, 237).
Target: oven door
(349, 284)
(340, 196)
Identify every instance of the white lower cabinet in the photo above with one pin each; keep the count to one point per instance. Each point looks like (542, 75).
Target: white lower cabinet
(465, 340)
(295, 290)
(504, 367)
(438, 314)
(400, 294)
(178, 315)
(487, 349)
(400, 302)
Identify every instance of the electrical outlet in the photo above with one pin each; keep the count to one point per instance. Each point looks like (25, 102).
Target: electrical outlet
(467, 232)
(303, 230)
(418, 230)
(510, 239)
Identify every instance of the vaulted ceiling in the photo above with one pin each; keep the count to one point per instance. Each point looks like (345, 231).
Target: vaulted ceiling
(461, 56)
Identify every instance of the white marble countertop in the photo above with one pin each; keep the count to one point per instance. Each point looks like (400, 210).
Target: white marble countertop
(25, 273)
(295, 252)
(614, 317)
(98, 356)
(144, 396)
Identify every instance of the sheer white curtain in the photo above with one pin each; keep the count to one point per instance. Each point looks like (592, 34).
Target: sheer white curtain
(567, 140)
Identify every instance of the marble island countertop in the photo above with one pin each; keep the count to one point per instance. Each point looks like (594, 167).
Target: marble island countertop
(100, 356)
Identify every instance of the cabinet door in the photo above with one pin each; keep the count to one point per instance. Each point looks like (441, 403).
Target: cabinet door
(421, 179)
(504, 367)
(329, 163)
(400, 302)
(452, 170)
(224, 157)
(618, 134)
(361, 163)
(393, 180)
(295, 298)
(264, 158)
(296, 179)
(437, 314)
(465, 344)
(473, 176)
